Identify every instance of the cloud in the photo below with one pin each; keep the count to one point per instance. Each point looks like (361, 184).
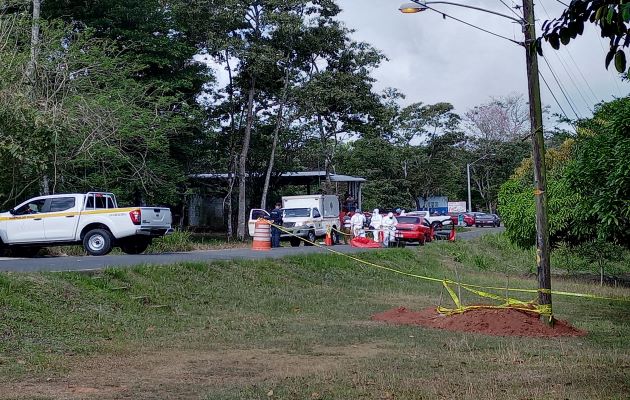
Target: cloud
(432, 59)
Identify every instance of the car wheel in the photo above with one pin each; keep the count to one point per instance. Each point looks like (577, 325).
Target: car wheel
(311, 238)
(295, 242)
(97, 242)
(136, 246)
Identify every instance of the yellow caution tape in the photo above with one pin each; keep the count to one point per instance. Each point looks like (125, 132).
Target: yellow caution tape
(542, 309)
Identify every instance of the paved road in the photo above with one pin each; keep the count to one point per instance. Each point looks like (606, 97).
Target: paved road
(93, 263)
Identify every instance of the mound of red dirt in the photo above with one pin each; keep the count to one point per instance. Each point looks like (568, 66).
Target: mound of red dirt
(488, 321)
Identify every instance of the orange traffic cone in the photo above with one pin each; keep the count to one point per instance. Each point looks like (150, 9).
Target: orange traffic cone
(328, 241)
(262, 236)
(451, 237)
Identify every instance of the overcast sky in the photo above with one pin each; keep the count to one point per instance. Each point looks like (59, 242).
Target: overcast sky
(432, 59)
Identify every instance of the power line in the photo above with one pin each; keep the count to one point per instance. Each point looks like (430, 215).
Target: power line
(569, 74)
(561, 88)
(472, 25)
(582, 75)
(511, 9)
(614, 80)
(552, 94)
(563, 3)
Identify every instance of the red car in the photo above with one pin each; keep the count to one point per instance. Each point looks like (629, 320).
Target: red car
(454, 217)
(413, 229)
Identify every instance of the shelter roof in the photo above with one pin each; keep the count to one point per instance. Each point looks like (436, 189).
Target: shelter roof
(297, 177)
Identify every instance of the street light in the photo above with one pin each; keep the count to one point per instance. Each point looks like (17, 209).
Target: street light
(416, 7)
(538, 144)
(411, 8)
(468, 175)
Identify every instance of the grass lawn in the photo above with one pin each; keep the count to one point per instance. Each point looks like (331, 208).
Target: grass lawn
(297, 328)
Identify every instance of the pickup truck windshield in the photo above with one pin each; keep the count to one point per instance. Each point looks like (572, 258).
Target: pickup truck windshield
(297, 212)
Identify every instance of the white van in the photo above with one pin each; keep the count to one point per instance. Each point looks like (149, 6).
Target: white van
(308, 216)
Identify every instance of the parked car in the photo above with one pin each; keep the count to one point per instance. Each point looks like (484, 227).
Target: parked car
(469, 218)
(434, 220)
(92, 219)
(413, 229)
(455, 217)
(487, 220)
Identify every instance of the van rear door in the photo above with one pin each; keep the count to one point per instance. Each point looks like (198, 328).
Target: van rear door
(254, 214)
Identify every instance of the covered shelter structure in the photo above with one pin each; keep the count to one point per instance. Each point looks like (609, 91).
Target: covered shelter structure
(207, 210)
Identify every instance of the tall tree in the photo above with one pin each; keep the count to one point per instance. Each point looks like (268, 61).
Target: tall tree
(496, 144)
(337, 100)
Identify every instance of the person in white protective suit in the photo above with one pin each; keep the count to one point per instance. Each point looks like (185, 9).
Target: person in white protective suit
(357, 221)
(389, 229)
(376, 223)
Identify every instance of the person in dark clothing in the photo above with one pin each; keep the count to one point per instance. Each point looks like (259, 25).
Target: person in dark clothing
(276, 218)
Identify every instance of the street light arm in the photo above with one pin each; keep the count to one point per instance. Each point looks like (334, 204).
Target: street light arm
(483, 158)
(519, 21)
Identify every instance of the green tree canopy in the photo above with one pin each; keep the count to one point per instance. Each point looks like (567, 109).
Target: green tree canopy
(588, 187)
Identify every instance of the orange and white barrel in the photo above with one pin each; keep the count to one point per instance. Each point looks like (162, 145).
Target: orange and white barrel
(262, 236)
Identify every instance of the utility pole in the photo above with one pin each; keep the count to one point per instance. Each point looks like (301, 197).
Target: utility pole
(540, 170)
(469, 197)
(538, 141)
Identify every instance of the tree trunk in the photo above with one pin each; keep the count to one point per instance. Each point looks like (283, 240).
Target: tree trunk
(232, 170)
(276, 132)
(45, 183)
(242, 164)
(30, 69)
(31, 75)
(228, 197)
(327, 158)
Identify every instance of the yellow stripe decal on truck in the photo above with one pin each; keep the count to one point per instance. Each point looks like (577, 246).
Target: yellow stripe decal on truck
(113, 211)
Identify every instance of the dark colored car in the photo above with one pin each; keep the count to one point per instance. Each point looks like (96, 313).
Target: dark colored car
(469, 218)
(487, 220)
(413, 229)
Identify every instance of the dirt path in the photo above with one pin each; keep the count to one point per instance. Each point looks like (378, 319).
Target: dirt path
(181, 374)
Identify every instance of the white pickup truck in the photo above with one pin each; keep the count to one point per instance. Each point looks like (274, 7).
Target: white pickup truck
(434, 221)
(92, 219)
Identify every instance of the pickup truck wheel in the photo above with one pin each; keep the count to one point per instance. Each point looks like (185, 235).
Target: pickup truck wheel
(311, 238)
(295, 242)
(97, 242)
(136, 246)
